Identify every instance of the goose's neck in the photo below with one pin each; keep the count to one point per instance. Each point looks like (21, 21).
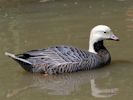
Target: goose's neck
(95, 47)
(98, 48)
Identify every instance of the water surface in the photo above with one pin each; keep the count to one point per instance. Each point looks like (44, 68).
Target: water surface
(31, 24)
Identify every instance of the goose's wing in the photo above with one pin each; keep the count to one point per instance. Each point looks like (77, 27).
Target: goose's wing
(55, 55)
(60, 59)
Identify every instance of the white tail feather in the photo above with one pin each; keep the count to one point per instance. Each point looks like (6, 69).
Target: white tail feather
(17, 58)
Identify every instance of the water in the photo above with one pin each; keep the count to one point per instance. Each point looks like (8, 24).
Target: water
(31, 24)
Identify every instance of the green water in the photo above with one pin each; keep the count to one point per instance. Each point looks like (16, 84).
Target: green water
(32, 24)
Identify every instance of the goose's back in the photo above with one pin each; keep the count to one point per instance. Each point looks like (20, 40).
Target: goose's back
(60, 59)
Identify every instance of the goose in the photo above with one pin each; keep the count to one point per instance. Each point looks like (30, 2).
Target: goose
(61, 58)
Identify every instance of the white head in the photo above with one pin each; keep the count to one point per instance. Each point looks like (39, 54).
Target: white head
(98, 33)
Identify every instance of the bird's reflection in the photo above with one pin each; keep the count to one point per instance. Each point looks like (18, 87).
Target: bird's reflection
(101, 93)
(65, 84)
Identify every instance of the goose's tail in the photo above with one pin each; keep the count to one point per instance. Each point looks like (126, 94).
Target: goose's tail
(17, 58)
(23, 62)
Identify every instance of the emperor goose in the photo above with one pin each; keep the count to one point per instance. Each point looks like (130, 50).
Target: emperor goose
(60, 59)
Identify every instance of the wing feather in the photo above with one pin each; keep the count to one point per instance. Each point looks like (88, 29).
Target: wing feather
(60, 59)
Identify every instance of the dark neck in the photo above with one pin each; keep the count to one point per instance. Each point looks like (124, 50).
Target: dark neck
(99, 46)
(102, 52)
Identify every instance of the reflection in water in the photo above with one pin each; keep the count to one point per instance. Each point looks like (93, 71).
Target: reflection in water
(102, 93)
(118, 62)
(13, 39)
(15, 34)
(130, 18)
(65, 84)
(44, 1)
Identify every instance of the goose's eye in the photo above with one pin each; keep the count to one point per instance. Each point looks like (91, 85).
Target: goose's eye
(105, 32)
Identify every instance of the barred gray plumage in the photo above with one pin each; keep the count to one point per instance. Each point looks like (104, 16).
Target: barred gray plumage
(61, 59)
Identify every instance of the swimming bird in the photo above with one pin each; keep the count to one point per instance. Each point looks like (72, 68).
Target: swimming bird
(61, 59)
